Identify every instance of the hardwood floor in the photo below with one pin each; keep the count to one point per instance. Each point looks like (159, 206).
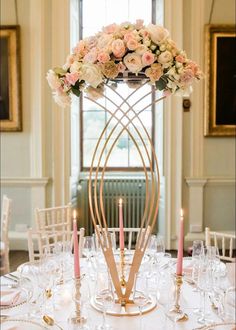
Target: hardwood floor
(17, 258)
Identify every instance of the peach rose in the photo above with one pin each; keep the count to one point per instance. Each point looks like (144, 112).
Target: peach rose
(118, 48)
(154, 72)
(133, 62)
(158, 33)
(187, 76)
(148, 58)
(139, 24)
(180, 58)
(110, 28)
(110, 69)
(132, 44)
(103, 57)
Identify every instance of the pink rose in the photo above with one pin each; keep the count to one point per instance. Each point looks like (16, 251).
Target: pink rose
(193, 66)
(91, 57)
(103, 57)
(139, 24)
(53, 80)
(132, 44)
(133, 62)
(129, 36)
(180, 58)
(121, 67)
(118, 48)
(72, 77)
(187, 76)
(148, 58)
(110, 28)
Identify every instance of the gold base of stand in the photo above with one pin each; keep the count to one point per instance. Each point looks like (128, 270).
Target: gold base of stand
(128, 309)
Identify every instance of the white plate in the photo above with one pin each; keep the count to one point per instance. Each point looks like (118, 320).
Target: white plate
(20, 301)
(20, 324)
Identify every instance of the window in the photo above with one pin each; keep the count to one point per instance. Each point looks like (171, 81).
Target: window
(95, 116)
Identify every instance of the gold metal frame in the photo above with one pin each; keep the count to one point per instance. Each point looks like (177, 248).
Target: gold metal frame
(212, 34)
(13, 107)
(152, 185)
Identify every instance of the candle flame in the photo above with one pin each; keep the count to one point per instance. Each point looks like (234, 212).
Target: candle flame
(74, 214)
(120, 201)
(181, 213)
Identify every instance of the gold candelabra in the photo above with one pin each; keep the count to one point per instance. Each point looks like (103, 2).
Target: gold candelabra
(176, 311)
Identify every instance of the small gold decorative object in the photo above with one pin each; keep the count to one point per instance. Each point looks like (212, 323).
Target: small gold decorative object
(175, 312)
(48, 293)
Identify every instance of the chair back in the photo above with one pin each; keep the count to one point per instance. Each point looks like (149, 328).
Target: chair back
(225, 242)
(54, 219)
(5, 220)
(39, 241)
(130, 235)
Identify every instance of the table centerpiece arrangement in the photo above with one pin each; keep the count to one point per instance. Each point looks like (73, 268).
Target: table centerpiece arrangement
(138, 55)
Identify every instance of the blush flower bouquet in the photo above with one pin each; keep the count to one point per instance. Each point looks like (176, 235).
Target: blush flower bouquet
(119, 50)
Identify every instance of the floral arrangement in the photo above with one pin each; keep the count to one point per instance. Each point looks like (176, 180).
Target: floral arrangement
(117, 50)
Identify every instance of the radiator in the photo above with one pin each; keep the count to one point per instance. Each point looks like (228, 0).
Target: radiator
(131, 190)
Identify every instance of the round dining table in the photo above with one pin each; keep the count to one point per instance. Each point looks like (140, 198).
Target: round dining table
(20, 315)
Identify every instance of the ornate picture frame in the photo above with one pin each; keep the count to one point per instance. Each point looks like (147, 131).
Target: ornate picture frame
(220, 80)
(10, 75)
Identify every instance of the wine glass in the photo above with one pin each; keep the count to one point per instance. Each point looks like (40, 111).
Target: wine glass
(197, 253)
(88, 247)
(205, 284)
(27, 287)
(140, 295)
(105, 294)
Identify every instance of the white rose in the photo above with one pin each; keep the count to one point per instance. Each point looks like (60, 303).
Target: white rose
(157, 33)
(165, 57)
(91, 74)
(133, 62)
(62, 99)
(75, 67)
(105, 41)
(53, 80)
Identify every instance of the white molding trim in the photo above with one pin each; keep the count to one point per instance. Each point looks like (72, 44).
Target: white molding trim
(211, 181)
(24, 182)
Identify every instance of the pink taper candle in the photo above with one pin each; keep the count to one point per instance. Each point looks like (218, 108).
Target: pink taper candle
(121, 225)
(76, 247)
(179, 268)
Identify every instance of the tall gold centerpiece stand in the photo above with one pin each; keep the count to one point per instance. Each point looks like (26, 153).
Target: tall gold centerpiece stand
(125, 118)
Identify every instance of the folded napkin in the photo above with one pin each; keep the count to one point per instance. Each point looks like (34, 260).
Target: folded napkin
(9, 297)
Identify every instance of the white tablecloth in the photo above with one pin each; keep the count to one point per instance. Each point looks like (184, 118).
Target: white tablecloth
(153, 320)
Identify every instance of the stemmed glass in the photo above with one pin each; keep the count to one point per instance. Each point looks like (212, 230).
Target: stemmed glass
(105, 294)
(140, 295)
(205, 284)
(88, 247)
(197, 254)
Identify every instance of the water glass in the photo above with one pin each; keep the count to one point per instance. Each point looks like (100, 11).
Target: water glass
(140, 295)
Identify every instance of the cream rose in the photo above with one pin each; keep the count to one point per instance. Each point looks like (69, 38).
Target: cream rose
(157, 33)
(105, 41)
(165, 57)
(91, 74)
(53, 80)
(62, 99)
(75, 66)
(133, 62)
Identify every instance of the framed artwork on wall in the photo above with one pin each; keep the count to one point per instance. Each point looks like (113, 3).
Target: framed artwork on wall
(220, 81)
(10, 79)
